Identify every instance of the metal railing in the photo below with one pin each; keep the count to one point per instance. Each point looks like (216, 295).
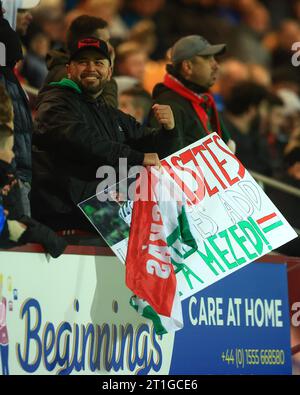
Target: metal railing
(275, 184)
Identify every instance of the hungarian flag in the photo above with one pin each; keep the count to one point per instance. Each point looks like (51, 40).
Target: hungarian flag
(158, 224)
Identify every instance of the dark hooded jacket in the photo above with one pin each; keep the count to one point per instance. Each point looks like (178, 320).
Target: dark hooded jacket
(74, 135)
(56, 63)
(35, 232)
(12, 197)
(10, 200)
(188, 126)
(22, 116)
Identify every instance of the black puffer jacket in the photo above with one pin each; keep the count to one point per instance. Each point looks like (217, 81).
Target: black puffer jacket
(74, 135)
(22, 116)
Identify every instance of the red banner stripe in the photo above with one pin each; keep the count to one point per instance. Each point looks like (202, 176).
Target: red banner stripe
(266, 218)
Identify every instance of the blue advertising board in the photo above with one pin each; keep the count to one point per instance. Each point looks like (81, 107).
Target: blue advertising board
(75, 318)
(239, 325)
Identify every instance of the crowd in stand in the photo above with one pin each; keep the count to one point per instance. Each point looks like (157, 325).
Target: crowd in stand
(256, 92)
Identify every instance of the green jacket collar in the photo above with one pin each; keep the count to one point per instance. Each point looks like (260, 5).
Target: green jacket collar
(66, 82)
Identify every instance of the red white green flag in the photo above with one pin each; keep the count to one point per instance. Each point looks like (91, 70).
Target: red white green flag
(150, 272)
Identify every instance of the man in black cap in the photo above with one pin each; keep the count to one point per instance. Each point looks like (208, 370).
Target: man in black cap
(78, 132)
(186, 87)
(82, 26)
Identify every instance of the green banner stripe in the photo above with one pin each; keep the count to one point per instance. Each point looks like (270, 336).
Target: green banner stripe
(273, 226)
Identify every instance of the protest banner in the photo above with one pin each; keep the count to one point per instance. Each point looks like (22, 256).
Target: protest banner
(232, 219)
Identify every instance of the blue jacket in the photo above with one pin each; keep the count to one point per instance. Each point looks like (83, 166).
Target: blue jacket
(22, 128)
(22, 121)
(2, 219)
(4, 233)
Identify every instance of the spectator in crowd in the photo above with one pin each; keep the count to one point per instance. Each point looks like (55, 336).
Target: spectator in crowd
(148, 23)
(131, 60)
(15, 227)
(185, 17)
(292, 160)
(259, 74)
(6, 109)
(24, 19)
(104, 9)
(78, 133)
(144, 34)
(155, 72)
(137, 10)
(22, 118)
(286, 77)
(291, 113)
(245, 40)
(17, 14)
(273, 120)
(51, 21)
(34, 68)
(186, 89)
(13, 230)
(242, 110)
(287, 35)
(83, 26)
(6, 154)
(136, 102)
(232, 71)
(287, 203)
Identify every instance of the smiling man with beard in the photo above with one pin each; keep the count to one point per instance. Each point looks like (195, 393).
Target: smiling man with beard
(192, 72)
(76, 132)
(89, 70)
